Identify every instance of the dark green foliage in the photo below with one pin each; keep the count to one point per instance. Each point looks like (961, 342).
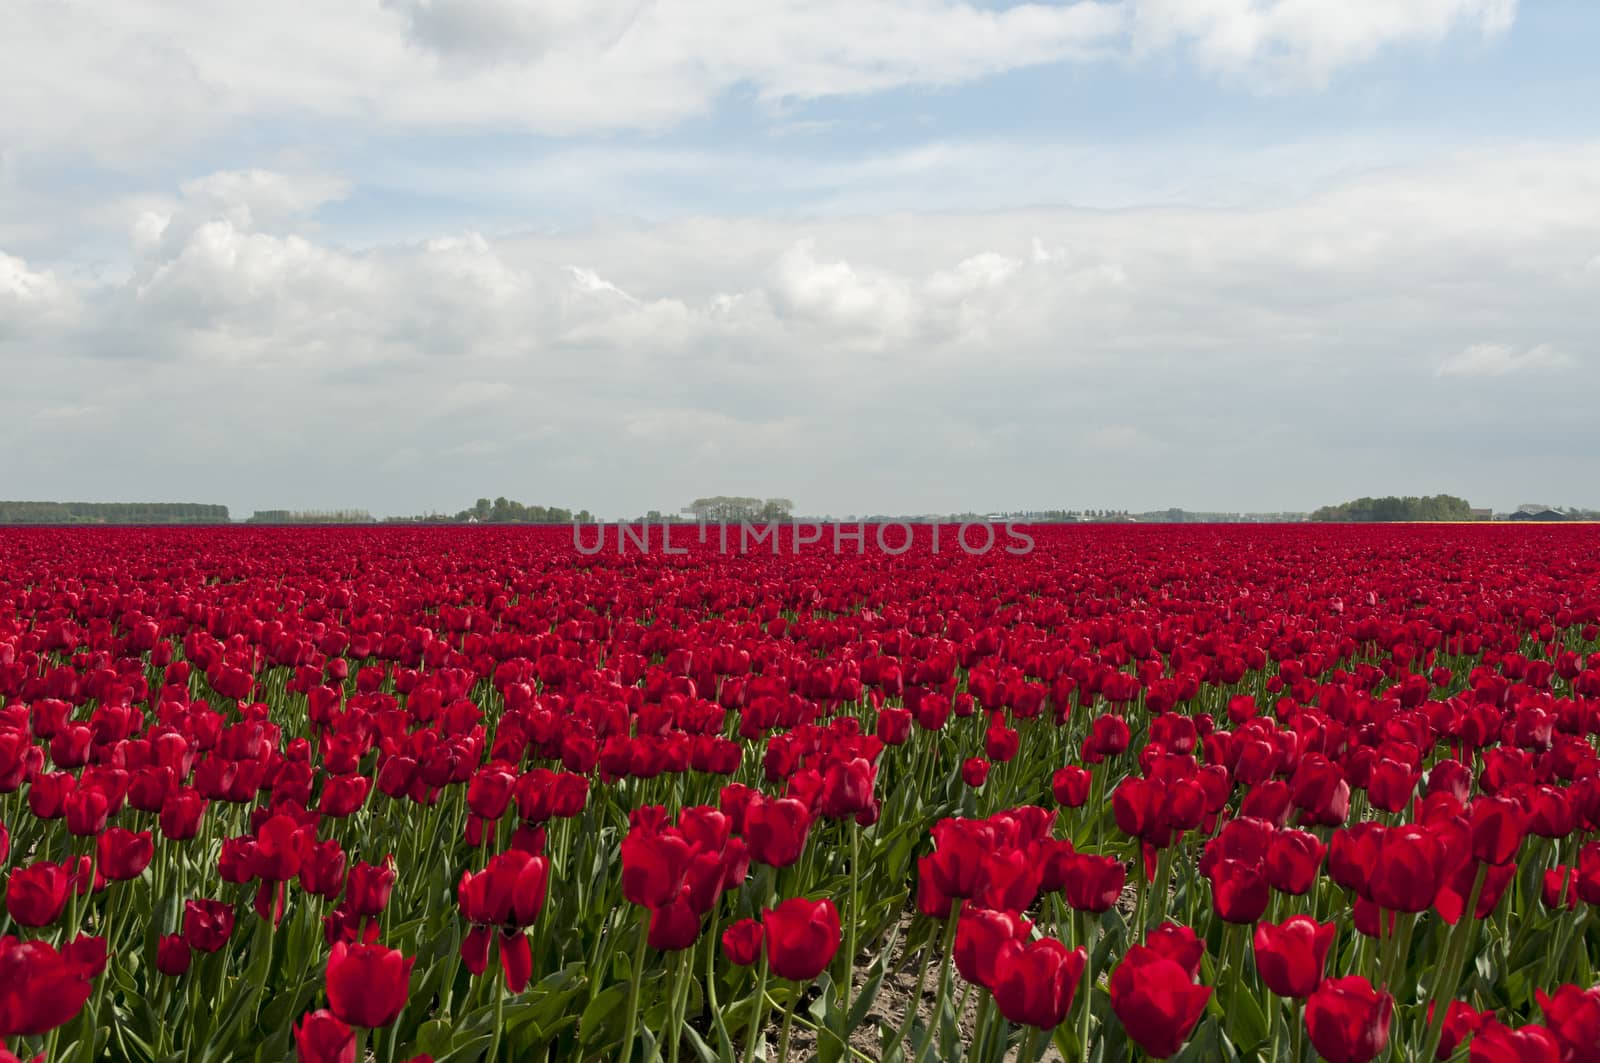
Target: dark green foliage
(1391, 508)
(111, 513)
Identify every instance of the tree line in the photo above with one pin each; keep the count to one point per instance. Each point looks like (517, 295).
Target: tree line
(1391, 508)
(310, 516)
(501, 510)
(111, 513)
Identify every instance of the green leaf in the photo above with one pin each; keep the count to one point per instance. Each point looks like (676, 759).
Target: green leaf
(433, 1038)
(604, 1015)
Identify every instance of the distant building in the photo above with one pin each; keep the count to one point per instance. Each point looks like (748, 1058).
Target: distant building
(1483, 514)
(1542, 515)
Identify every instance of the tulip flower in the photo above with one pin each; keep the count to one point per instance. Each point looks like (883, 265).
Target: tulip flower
(40, 989)
(207, 924)
(322, 1037)
(983, 936)
(1034, 984)
(368, 984)
(173, 955)
(368, 885)
(1348, 1021)
(741, 942)
(775, 829)
(1495, 1043)
(1156, 1000)
(1093, 883)
(801, 937)
(123, 854)
(1291, 955)
(36, 895)
(1070, 786)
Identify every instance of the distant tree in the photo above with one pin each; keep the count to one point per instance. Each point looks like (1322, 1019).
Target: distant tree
(731, 509)
(1391, 508)
(111, 513)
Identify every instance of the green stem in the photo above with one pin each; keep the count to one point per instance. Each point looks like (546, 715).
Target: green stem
(1163, 879)
(635, 978)
(1444, 986)
(1030, 1045)
(980, 1030)
(783, 1037)
(725, 1043)
(680, 1001)
(945, 963)
(850, 929)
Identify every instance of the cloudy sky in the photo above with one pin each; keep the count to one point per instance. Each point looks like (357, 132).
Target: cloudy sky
(906, 255)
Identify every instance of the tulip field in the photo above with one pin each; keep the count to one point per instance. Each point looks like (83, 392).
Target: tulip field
(1261, 793)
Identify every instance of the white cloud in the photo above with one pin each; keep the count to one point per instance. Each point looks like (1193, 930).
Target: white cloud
(30, 299)
(1498, 359)
(122, 84)
(1281, 43)
(843, 301)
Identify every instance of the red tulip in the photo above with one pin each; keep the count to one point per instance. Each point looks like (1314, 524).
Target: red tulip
(173, 955)
(180, 814)
(893, 726)
(674, 926)
(1460, 1023)
(511, 890)
(982, 937)
(1035, 983)
(368, 984)
(974, 771)
(280, 848)
(123, 854)
(37, 894)
(86, 811)
(1070, 786)
(1009, 879)
(959, 846)
(1348, 1020)
(1392, 785)
(322, 873)
(741, 942)
(775, 829)
(1559, 888)
(1156, 1000)
(342, 795)
(1291, 955)
(1495, 1043)
(1573, 1016)
(207, 924)
(1408, 871)
(801, 937)
(40, 989)
(516, 959)
(1589, 873)
(1293, 859)
(320, 1037)
(1093, 883)
(1239, 892)
(1179, 944)
(368, 886)
(1497, 826)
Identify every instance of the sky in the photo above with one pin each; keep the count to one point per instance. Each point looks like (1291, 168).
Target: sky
(870, 255)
